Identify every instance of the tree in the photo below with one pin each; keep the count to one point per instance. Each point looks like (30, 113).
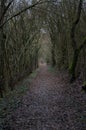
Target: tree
(18, 44)
(74, 43)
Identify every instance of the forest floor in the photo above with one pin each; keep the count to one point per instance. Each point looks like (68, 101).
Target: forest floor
(50, 103)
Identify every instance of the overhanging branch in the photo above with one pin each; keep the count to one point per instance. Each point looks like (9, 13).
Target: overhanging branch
(5, 10)
(25, 9)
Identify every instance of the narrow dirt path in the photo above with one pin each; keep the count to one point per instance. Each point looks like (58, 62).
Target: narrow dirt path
(49, 105)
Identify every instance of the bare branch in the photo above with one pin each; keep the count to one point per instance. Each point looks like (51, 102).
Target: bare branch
(5, 10)
(25, 9)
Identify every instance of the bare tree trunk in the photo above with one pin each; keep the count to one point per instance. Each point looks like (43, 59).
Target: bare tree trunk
(1, 63)
(53, 55)
(74, 43)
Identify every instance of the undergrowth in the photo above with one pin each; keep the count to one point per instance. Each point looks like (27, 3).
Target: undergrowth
(13, 99)
(52, 69)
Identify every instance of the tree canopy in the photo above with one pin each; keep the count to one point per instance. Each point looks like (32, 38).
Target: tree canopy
(21, 27)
